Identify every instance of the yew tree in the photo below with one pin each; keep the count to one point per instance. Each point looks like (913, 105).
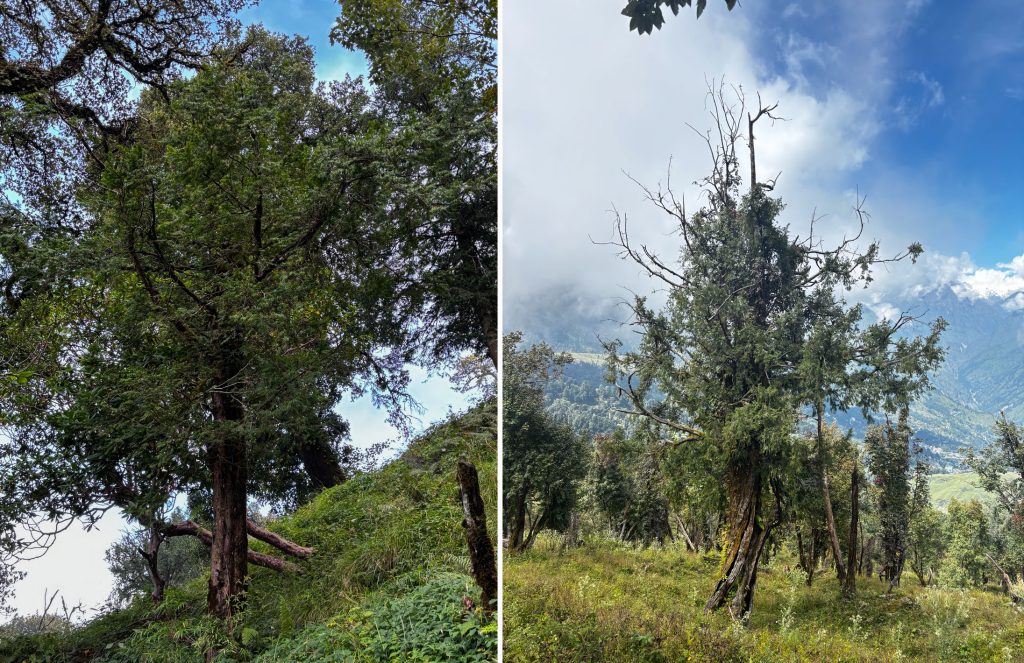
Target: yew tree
(720, 363)
(238, 278)
(434, 65)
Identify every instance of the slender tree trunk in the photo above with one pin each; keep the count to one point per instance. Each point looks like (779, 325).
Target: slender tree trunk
(228, 468)
(474, 523)
(830, 521)
(800, 550)
(151, 555)
(860, 560)
(572, 533)
(686, 536)
(535, 528)
(850, 585)
(746, 539)
(812, 558)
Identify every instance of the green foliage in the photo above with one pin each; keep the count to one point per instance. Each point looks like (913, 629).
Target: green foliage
(629, 487)
(967, 540)
(543, 462)
(389, 571)
(645, 15)
(888, 449)
(425, 623)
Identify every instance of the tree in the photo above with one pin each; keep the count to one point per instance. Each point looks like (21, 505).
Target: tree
(725, 354)
(434, 64)
(968, 541)
(629, 488)
(543, 462)
(645, 15)
(181, 559)
(888, 449)
(998, 467)
(236, 281)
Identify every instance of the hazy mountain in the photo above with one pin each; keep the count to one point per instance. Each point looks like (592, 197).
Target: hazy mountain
(982, 375)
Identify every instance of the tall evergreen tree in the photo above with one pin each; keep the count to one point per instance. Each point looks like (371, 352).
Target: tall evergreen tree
(237, 279)
(744, 302)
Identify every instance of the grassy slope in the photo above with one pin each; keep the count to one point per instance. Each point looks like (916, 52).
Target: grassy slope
(387, 580)
(610, 602)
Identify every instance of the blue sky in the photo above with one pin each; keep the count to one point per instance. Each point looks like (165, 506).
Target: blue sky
(948, 81)
(75, 564)
(915, 104)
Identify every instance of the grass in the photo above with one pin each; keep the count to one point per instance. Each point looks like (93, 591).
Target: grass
(612, 602)
(388, 579)
(962, 485)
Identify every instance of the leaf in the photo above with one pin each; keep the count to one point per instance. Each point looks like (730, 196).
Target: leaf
(701, 4)
(730, 4)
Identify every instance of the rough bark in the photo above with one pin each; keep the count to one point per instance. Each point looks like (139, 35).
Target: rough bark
(850, 584)
(830, 521)
(572, 533)
(746, 539)
(483, 561)
(228, 469)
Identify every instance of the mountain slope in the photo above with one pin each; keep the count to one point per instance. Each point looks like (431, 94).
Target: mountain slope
(389, 577)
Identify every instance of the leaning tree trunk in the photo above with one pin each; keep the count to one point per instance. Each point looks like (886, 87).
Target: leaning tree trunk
(745, 539)
(228, 468)
(474, 522)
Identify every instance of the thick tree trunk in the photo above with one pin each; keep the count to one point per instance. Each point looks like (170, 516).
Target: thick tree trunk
(228, 469)
(474, 523)
(830, 521)
(850, 585)
(745, 539)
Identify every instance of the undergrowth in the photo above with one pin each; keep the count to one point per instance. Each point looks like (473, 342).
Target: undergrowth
(609, 601)
(388, 580)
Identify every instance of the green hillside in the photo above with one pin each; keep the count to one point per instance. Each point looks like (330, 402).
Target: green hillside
(610, 601)
(961, 485)
(388, 581)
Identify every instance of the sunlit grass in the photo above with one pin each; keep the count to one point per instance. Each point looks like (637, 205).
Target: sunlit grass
(611, 602)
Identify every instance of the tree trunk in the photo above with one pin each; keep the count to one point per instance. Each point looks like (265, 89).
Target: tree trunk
(686, 535)
(228, 468)
(474, 523)
(812, 558)
(515, 541)
(572, 533)
(830, 521)
(276, 540)
(850, 585)
(151, 555)
(745, 539)
(321, 463)
(535, 528)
